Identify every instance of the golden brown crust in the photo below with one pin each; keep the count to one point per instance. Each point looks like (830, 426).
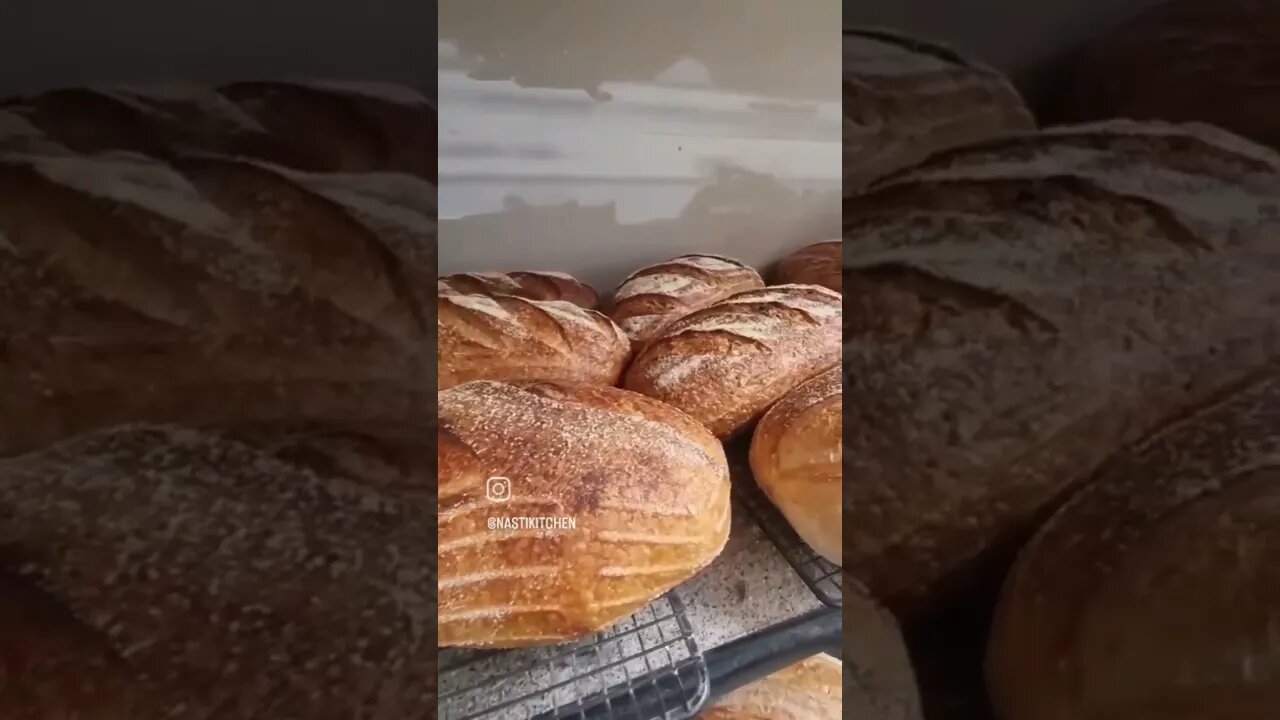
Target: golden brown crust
(311, 126)
(817, 264)
(533, 285)
(153, 572)
(726, 364)
(656, 296)
(808, 690)
(647, 487)
(1020, 309)
(795, 458)
(1211, 61)
(905, 99)
(1155, 592)
(205, 292)
(504, 337)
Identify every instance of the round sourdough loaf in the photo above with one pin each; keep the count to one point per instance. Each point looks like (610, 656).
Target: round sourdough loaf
(504, 337)
(795, 458)
(1020, 309)
(1155, 592)
(905, 99)
(656, 296)
(1212, 61)
(817, 264)
(726, 364)
(531, 284)
(811, 689)
(645, 486)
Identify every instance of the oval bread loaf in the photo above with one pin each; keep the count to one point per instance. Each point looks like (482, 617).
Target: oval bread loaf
(811, 689)
(1155, 592)
(154, 572)
(817, 264)
(658, 295)
(726, 364)
(905, 99)
(1020, 309)
(795, 458)
(503, 337)
(1211, 61)
(207, 291)
(526, 284)
(646, 486)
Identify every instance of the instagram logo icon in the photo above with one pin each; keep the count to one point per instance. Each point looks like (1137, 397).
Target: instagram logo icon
(498, 489)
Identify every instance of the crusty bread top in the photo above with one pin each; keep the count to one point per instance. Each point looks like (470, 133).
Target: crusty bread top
(534, 285)
(309, 125)
(905, 99)
(1020, 308)
(817, 264)
(152, 572)
(656, 296)
(504, 337)
(1155, 591)
(811, 689)
(647, 486)
(728, 363)
(1211, 61)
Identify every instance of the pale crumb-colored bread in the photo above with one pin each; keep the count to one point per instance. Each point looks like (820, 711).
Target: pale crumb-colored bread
(1211, 61)
(726, 364)
(534, 285)
(1018, 311)
(811, 689)
(905, 99)
(879, 676)
(817, 264)
(656, 296)
(155, 572)
(308, 125)
(647, 487)
(795, 459)
(504, 337)
(207, 291)
(1155, 592)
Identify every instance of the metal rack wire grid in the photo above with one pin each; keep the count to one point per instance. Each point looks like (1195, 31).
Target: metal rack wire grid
(647, 667)
(822, 577)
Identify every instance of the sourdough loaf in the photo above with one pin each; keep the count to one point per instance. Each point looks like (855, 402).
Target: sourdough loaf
(726, 364)
(534, 285)
(319, 126)
(153, 572)
(504, 337)
(817, 264)
(1212, 61)
(1020, 309)
(795, 458)
(658, 295)
(1155, 592)
(905, 99)
(646, 486)
(808, 690)
(207, 290)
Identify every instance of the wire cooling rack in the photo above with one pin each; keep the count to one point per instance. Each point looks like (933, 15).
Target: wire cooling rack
(822, 577)
(647, 667)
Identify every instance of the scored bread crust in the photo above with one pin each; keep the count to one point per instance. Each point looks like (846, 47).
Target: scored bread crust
(1020, 309)
(207, 290)
(905, 99)
(316, 126)
(533, 285)
(795, 459)
(504, 337)
(1155, 592)
(817, 264)
(658, 295)
(647, 486)
(726, 364)
(811, 689)
(156, 572)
